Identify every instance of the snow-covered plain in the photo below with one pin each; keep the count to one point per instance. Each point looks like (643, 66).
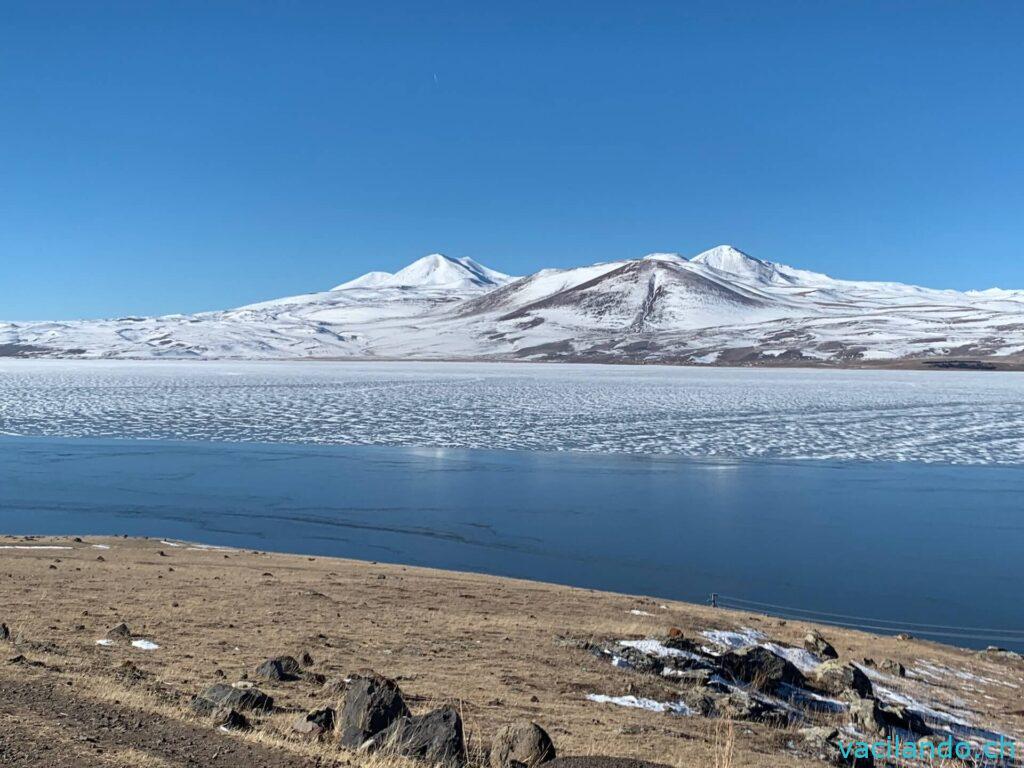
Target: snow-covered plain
(926, 416)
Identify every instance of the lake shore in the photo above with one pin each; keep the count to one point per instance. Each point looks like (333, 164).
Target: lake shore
(502, 649)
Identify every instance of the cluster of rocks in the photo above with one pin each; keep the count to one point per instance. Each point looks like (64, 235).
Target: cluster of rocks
(758, 683)
(371, 715)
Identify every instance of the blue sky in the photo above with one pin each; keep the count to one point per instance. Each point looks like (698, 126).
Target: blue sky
(160, 157)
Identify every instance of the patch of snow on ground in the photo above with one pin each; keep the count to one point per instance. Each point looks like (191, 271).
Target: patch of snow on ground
(31, 546)
(105, 642)
(733, 640)
(802, 659)
(656, 648)
(145, 645)
(674, 707)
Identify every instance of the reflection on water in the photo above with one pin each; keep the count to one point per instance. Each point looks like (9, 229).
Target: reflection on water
(925, 544)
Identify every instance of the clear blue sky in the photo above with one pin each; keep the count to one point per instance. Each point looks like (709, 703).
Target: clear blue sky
(178, 156)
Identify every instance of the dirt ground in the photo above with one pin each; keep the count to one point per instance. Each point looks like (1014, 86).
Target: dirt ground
(489, 645)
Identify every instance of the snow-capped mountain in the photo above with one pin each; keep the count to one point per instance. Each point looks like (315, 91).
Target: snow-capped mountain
(721, 306)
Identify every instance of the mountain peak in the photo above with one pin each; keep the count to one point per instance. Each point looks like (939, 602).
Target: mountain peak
(434, 270)
(733, 261)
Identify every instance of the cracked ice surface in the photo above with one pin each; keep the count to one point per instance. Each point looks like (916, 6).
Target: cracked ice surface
(929, 416)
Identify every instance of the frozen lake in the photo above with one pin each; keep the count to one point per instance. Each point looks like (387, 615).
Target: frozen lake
(923, 416)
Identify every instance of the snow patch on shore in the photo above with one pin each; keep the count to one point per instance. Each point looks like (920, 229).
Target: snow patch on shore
(635, 702)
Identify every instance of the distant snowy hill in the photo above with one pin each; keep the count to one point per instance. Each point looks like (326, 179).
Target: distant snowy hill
(719, 307)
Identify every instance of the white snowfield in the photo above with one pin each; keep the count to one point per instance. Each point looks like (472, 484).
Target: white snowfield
(720, 307)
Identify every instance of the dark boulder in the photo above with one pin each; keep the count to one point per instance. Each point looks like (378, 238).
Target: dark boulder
(280, 668)
(227, 696)
(5, 633)
(435, 737)
(761, 668)
(371, 703)
(230, 720)
(522, 742)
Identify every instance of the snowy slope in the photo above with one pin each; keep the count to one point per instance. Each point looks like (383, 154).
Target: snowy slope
(721, 306)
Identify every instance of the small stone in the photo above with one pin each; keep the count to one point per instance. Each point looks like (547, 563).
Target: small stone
(315, 724)
(893, 667)
(120, 632)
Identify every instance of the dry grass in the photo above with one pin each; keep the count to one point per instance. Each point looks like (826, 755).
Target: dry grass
(487, 644)
(725, 744)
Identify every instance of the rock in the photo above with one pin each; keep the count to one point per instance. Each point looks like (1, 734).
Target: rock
(893, 667)
(230, 720)
(822, 741)
(679, 643)
(314, 724)
(816, 644)
(306, 659)
(523, 742)
(877, 719)
(761, 668)
(371, 703)
(120, 632)
(1002, 653)
(435, 737)
(334, 689)
(280, 668)
(5, 633)
(693, 677)
(227, 696)
(738, 705)
(819, 733)
(637, 660)
(841, 678)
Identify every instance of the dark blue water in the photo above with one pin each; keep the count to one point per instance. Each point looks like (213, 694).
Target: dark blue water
(903, 543)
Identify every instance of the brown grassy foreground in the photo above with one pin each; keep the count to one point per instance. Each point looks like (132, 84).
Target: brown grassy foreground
(487, 644)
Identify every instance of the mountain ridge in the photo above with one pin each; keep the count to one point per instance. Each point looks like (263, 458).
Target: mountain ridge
(722, 306)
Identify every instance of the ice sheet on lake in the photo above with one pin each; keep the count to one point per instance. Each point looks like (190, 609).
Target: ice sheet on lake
(929, 416)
